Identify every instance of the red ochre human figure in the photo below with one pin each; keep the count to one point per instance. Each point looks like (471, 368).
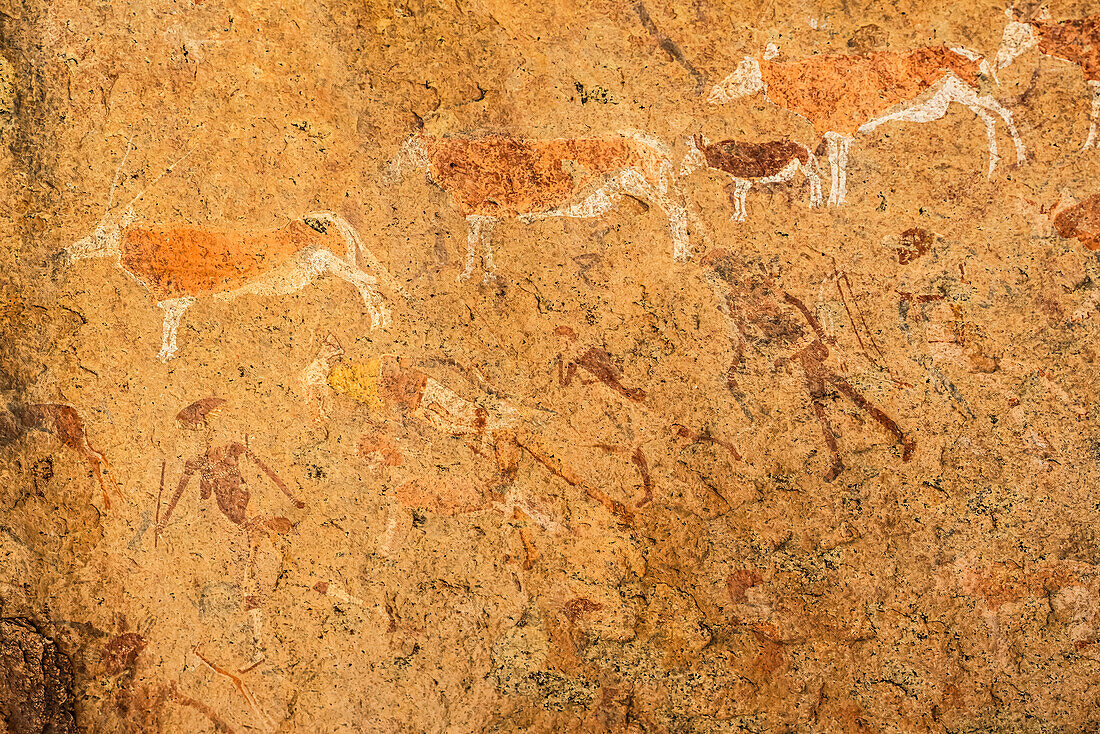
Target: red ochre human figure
(773, 321)
(599, 366)
(220, 475)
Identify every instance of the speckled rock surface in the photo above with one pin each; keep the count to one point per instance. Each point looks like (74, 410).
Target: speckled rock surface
(597, 367)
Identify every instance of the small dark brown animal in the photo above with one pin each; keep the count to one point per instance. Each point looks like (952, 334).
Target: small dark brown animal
(748, 163)
(779, 325)
(64, 422)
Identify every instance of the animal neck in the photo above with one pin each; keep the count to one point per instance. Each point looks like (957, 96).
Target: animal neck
(103, 242)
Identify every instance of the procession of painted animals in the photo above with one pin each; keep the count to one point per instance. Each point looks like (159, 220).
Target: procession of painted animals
(493, 181)
(495, 178)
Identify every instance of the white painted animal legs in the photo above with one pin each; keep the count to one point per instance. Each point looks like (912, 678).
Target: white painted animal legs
(935, 107)
(173, 312)
(740, 191)
(838, 166)
(480, 230)
(810, 172)
(365, 283)
(1093, 115)
(635, 184)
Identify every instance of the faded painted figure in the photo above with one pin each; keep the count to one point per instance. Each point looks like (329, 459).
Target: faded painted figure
(219, 470)
(1075, 41)
(64, 422)
(844, 95)
(498, 177)
(764, 316)
(493, 426)
(180, 264)
(753, 163)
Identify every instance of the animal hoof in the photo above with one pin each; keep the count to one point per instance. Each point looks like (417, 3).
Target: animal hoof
(463, 276)
(489, 278)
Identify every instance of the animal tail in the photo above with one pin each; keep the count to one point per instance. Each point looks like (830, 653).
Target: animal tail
(411, 155)
(357, 253)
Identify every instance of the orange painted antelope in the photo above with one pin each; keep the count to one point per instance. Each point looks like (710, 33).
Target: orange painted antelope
(497, 177)
(1075, 41)
(844, 95)
(180, 264)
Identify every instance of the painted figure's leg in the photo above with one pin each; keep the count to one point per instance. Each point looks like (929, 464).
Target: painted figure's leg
(635, 184)
(842, 165)
(814, 182)
(815, 386)
(474, 225)
(991, 134)
(833, 150)
(1090, 142)
(173, 312)
(365, 283)
(486, 233)
(884, 420)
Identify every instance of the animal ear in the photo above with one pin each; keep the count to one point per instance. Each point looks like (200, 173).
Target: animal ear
(699, 141)
(316, 224)
(1044, 13)
(770, 51)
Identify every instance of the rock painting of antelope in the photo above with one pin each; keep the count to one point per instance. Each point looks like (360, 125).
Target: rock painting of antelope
(180, 264)
(1075, 41)
(764, 316)
(753, 163)
(843, 95)
(500, 177)
(64, 422)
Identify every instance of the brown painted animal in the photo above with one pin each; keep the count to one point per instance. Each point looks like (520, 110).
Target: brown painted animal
(65, 423)
(498, 177)
(1081, 222)
(753, 163)
(1076, 41)
(182, 263)
(844, 95)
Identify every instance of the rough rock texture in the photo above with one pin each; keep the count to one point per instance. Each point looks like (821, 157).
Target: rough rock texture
(36, 682)
(403, 367)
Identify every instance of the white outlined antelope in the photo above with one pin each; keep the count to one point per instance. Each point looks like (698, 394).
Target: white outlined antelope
(753, 163)
(1075, 41)
(182, 263)
(496, 177)
(844, 95)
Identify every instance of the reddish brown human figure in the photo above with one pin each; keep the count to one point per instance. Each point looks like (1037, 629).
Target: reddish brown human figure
(220, 475)
(1076, 41)
(766, 317)
(64, 422)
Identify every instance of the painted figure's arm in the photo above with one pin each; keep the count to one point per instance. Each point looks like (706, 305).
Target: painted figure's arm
(189, 470)
(275, 478)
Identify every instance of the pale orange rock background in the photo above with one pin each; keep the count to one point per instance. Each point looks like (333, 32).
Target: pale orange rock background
(590, 494)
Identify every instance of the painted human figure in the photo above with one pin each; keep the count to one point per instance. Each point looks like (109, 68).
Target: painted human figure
(769, 319)
(219, 471)
(597, 365)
